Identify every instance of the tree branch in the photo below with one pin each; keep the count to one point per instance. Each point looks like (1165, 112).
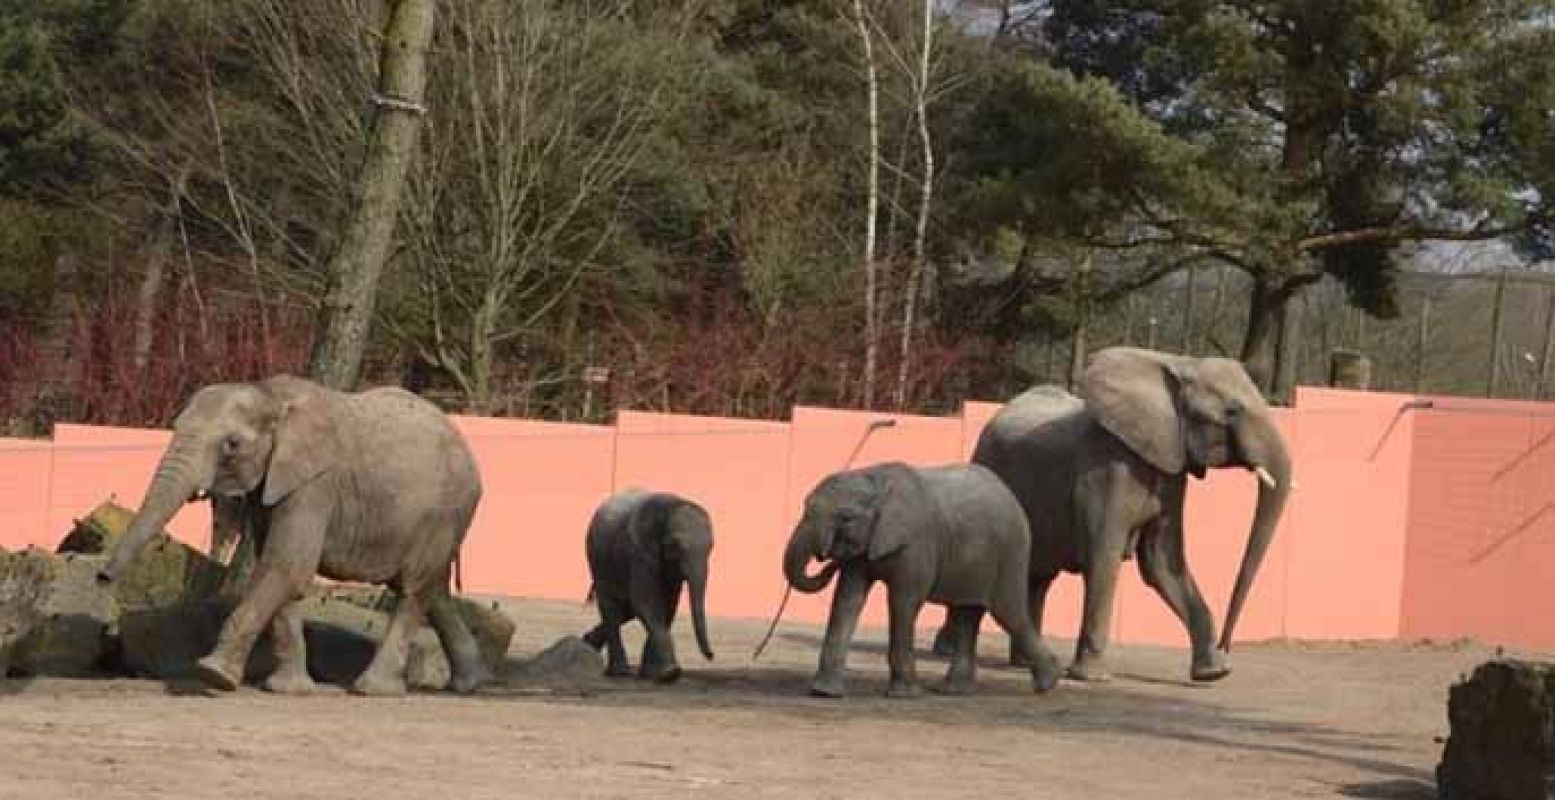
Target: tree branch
(1405, 233)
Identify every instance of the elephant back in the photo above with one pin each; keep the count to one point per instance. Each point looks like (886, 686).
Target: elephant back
(1029, 412)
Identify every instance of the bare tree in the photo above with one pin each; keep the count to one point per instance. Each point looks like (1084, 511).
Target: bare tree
(347, 311)
(871, 204)
(521, 183)
(920, 98)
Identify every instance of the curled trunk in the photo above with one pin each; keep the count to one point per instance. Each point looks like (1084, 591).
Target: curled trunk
(1270, 456)
(179, 476)
(802, 547)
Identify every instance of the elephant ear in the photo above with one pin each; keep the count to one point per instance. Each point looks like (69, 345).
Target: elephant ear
(1131, 393)
(307, 444)
(645, 528)
(889, 528)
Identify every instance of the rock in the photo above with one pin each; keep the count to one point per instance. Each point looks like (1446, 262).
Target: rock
(54, 618)
(492, 629)
(1502, 740)
(340, 626)
(568, 660)
(165, 572)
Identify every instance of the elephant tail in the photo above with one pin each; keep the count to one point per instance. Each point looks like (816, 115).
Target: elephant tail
(458, 575)
(589, 598)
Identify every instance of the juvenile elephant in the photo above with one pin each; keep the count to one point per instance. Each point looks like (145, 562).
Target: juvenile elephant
(376, 487)
(642, 547)
(952, 535)
(1104, 477)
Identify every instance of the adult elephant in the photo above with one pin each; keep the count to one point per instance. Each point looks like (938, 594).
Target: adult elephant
(952, 535)
(642, 548)
(1103, 476)
(376, 487)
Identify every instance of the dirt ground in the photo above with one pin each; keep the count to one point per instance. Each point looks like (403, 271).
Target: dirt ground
(1293, 720)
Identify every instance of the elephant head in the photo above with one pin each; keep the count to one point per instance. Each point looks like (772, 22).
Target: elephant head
(842, 521)
(230, 441)
(683, 538)
(1182, 414)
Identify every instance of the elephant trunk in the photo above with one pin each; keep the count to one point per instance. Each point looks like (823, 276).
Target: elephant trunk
(696, 584)
(1272, 465)
(181, 474)
(803, 546)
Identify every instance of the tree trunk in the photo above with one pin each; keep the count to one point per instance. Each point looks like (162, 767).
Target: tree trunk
(1424, 335)
(925, 198)
(1288, 338)
(871, 208)
(1258, 342)
(156, 269)
(347, 311)
(1077, 346)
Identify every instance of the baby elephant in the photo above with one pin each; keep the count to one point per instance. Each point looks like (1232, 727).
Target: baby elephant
(951, 535)
(641, 547)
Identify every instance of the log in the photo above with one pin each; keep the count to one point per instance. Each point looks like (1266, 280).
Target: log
(165, 572)
(54, 617)
(1501, 744)
(341, 628)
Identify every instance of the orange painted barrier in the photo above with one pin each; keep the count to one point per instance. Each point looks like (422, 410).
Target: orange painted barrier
(1415, 522)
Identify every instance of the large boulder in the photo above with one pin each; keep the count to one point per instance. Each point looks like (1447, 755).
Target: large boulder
(165, 572)
(342, 627)
(1502, 740)
(54, 617)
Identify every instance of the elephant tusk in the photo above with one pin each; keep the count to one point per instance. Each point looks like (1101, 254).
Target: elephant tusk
(1265, 478)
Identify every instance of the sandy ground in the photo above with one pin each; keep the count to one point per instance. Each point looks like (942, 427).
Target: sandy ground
(1293, 720)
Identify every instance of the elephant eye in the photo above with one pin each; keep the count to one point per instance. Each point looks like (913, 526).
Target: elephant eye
(230, 444)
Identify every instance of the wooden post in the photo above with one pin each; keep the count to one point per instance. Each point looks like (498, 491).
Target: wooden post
(1186, 345)
(1421, 340)
(1494, 379)
(1548, 353)
(1349, 369)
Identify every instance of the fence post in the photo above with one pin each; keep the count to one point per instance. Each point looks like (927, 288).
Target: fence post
(1495, 335)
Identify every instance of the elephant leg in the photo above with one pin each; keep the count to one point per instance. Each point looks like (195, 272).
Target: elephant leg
(291, 676)
(1101, 583)
(1163, 565)
(1036, 599)
(963, 622)
(847, 603)
(468, 669)
(903, 607)
(945, 638)
(1012, 610)
(385, 675)
(656, 608)
(613, 613)
(273, 586)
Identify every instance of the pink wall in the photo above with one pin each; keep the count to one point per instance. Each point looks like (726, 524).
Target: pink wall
(1403, 522)
(1482, 533)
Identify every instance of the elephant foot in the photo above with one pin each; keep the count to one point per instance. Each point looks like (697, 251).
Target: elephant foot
(903, 689)
(618, 671)
(668, 675)
(944, 642)
(828, 686)
(295, 682)
(467, 681)
(1089, 671)
(957, 686)
(213, 673)
(371, 685)
(1044, 677)
(1210, 669)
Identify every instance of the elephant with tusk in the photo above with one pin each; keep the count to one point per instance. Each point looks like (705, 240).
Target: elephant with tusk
(1103, 477)
(375, 487)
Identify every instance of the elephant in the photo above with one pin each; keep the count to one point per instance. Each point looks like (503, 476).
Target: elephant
(1103, 477)
(953, 535)
(642, 547)
(375, 487)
